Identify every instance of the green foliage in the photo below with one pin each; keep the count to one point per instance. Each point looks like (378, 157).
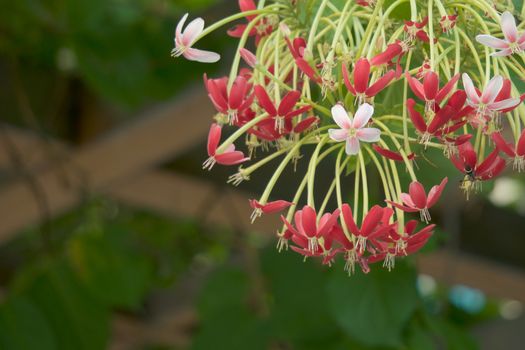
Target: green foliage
(374, 308)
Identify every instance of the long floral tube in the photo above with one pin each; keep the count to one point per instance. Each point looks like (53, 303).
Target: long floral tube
(352, 86)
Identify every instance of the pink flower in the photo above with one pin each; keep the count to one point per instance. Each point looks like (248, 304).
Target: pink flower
(429, 90)
(485, 103)
(514, 42)
(230, 103)
(228, 157)
(417, 200)
(268, 208)
(514, 151)
(353, 129)
(184, 41)
(361, 88)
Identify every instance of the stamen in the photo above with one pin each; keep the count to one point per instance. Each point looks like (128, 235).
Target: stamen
(209, 163)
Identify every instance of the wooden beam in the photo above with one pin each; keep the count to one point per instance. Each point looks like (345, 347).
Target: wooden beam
(155, 137)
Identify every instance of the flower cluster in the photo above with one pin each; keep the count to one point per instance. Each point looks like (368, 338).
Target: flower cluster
(362, 94)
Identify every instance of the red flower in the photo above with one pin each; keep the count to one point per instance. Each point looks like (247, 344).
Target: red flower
(261, 29)
(393, 243)
(228, 157)
(514, 151)
(233, 102)
(268, 208)
(429, 90)
(307, 231)
(375, 221)
(361, 88)
(436, 126)
(415, 30)
(392, 51)
(417, 200)
(285, 111)
(448, 22)
(391, 154)
(475, 172)
(297, 48)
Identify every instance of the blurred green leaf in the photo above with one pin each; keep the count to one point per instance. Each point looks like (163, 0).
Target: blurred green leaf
(77, 319)
(374, 308)
(23, 327)
(116, 275)
(454, 338)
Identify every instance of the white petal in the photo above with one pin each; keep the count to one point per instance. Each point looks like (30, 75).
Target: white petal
(178, 30)
(201, 55)
(491, 91)
(341, 117)
(508, 26)
(469, 89)
(338, 134)
(363, 115)
(508, 103)
(489, 40)
(368, 134)
(352, 146)
(192, 31)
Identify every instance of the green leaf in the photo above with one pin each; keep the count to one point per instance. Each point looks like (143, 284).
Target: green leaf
(374, 308)
(77, 319)
(23, 327)
(454, 337)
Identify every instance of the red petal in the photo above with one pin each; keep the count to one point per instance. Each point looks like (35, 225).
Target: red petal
(430, 85)
(416, 117)
(388, 153)
(309, 221)
(520, 148)
(275, 206)
(380, 84)
(361, 75)
(214, 136)
(416, 87)
(447, 88)
(237, 92)
(264, 100)
(348, 219)
(502, 145)
(346, 79)
(231, 158)
(435, 193)
(288, 102)
(372, 219)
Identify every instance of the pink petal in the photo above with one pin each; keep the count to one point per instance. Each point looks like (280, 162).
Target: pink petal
(417, 193)
(192, 31)
(352, 146)
(447, 88)
(492, 90)
(201, 55)
(248, 57)
(502, 53)
(416, 117)
(346, 79)
(470, 89)
(508, 103)
(371, 220)
(508, 26)
(361, 75)
(231, 158)
(405, 197)
(237, 92)
(338, 134)
(348, 219)
(328, 222)
(362, 115)
(214, 136)
(435, 193)
(490, 41)
(403, 207)
(368, 134)
(275, 206)
(341, 117)
(309, 221)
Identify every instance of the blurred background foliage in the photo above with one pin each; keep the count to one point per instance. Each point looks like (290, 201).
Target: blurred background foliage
(63, 62)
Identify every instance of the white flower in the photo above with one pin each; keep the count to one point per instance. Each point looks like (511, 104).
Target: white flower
(513, 42)
(486, 103)
(352, 129)
(184, 41)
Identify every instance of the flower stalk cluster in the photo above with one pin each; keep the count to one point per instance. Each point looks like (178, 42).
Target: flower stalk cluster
(353, 87)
